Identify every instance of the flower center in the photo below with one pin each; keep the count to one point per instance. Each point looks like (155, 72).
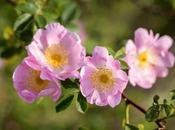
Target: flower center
(143, 58)
(102, 79)
(56, 56)
(35, 83)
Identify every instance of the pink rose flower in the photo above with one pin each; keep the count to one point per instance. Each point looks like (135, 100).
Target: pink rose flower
(30, 86)
(101, 79)
(57, 51)
(148, 57)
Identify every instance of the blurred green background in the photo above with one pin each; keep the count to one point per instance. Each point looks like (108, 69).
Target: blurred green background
(102, 22)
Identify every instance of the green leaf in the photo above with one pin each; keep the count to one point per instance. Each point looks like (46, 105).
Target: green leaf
(130, 127)
(120, 53)
(10, 51)
(72, 26)
(172, 94)
(70, 13)
(141, 126)
(27, 8)
(70, 84)
(89, 45)
(40, 21)
(24, 27)
(81, 103)
(3, 43)
(22, 21)
(152, 113)
(173, 97)
(111, 51)
(64, 103)
(124, 65)
(168, 109)
(26, 36)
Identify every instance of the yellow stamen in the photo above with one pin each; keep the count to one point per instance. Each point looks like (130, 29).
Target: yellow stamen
(102, 79)
(143, 58)
(56, 55)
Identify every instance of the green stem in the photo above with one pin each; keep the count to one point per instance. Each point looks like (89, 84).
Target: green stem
(127, 106)
(127, 113)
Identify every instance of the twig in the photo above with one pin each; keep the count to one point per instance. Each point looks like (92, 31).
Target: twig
(133, 104)
(160, 123)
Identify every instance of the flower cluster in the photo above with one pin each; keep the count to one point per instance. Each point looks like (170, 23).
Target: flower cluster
(56, 54)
